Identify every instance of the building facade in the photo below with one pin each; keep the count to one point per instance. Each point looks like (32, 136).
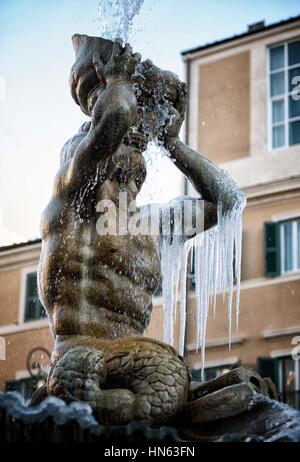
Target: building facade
(243, 114)
(24, 330)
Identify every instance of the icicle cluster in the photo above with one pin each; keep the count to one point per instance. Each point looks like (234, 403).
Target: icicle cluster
(217, 257)
(170, 265)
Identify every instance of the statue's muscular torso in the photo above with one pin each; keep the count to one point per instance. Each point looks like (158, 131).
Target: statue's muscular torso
(93, 285)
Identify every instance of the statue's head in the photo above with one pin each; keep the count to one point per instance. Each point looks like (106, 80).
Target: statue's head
(160, 94)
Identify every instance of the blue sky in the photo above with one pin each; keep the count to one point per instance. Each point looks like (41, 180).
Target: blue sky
(38, 115)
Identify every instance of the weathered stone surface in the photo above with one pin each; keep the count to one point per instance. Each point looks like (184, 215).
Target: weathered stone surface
(239, 375)
(271, 387)
(221, 404)
(118, 391)
(265, 421)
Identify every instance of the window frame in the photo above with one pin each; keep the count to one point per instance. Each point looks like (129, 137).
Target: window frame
(22, 305)
(281, 373)
(285, 96)
(295, 249)
(291, 397)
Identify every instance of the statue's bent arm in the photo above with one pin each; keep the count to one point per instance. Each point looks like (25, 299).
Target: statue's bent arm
(112, 117)
(213, 184)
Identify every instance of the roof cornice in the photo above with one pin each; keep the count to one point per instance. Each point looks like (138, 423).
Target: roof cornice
(20, 256)
(241, 39)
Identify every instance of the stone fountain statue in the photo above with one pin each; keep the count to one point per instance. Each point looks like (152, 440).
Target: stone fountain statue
(97, 283)
(97, 287)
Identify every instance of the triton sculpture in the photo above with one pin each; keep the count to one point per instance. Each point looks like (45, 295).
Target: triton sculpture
(97, 285)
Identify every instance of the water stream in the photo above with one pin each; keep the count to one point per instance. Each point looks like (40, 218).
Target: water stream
(115, 17)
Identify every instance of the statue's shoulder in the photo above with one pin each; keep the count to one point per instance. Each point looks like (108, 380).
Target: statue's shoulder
(71, 145)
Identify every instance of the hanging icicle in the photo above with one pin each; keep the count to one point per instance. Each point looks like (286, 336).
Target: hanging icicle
(170, 262)
(186, 250)
(217, 255)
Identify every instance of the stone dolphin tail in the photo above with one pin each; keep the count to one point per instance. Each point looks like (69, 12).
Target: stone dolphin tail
(97, 288)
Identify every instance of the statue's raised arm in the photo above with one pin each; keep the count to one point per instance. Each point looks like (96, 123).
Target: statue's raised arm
(112, 106)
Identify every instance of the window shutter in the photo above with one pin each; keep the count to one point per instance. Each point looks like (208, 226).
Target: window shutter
(272, 249)
(268, 367)
(33, 308)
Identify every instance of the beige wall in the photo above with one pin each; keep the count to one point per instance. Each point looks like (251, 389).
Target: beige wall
(9, 296)
(271, 179)
(18, 346)
(20, 338)
(263, 308)
(262, 164)
(224, 108)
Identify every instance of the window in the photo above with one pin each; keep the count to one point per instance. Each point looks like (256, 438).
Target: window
(290, 246)
(285, 373)
(33, 308)
(282, 247)
(289, 381)
(284, 73)
(288, 374)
